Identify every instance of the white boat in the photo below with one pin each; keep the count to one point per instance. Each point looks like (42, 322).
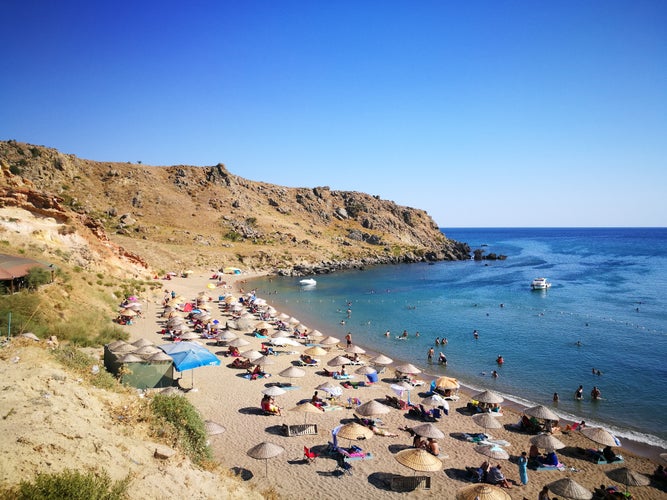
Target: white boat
(540, 284)
(308, 282)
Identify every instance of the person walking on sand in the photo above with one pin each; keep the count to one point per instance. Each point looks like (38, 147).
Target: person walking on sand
(348, 339)
(523, 468)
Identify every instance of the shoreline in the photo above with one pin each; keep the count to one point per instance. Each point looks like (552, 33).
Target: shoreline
(641, 448)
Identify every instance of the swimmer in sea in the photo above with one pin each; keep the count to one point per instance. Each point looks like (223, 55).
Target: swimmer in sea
(387, 333)
(475, 334)
(579, 394)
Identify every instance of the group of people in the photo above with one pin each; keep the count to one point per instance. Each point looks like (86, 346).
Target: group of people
(491, 475)
(596, 394)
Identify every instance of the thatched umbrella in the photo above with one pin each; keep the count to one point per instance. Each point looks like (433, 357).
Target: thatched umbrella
(264, 451)
(568, 488)
(487, 420)
(306, 408)
(355, 349)
(365, 370)
(339, 361)
(488, 397)
(292, 372)
(315, 351)
(482, 492)
(238, 342)
(419, 460)
(547, 442)
(274, 390)
(354, 431)
(381, 359)
(251, 355)
(372, 408)
(408, 368)
(628, 477)
(492, 451)
(428, 430)
(213, 428)
(541, 412)
(599, 435)
(329, 341)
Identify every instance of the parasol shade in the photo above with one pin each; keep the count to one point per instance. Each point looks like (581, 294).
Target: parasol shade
(315, 351)
(482, 492)
(213, 428)
(354, 431)
(447, 383)
(274, 390)
(264, 451)
(419, 460)
(408, 368)
(541, 412)
(487, 420)
(599, 435)
(488, 397)
(628, 477)
(547, 442)
(381, 359)
(492, 451)
(372, 408)
(339, 361)
(428, 430)
(568, 488)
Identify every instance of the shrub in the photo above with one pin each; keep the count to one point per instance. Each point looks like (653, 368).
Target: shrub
(72, 485)
(184, 421)
(80, 363)
(37, 276)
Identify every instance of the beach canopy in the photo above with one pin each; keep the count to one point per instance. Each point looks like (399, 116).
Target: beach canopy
(355, 349)
(628, 477)
(381, 359)
(372, 408)
(482, 492)
(547, 442)
(315, 351)
(568, 488)
(408, 368)
(488, 397)
(213, 428)
(189, 355)
(354, 431)
(329, 340)
(492, 451)
(418, 459)
(487, 420)
(447, 383)
(600, 436)
(274, 390)
(339, 361)
(541, 412)
(264, 451)
(365, 370)
(428, 430)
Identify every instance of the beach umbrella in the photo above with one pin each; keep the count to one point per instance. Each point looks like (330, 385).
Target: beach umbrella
(271, 311)
(628, 477)
(428, 430)
(131, 358)
(293, 321)
(488, 397)
(541, 412)
(408, 368)
(492, 451)
(292, 372)
(435, 400)
(326, 386)
(315, 351)
(232, 325)
(568, 488)
(372, 408)
(229, 299)
(355, 349)
(213, 428)
(236, 306)
(129, 313)
(283, 341)
(447, 383)
(263, 361)
(142, 342)
(263, 325)
(159, 357)
(547, 442)
(329, 340)
(190, 355)
(225, 336)
(365, 370)
(280, 334)
(301, 327)
(600, 436)
(401, 388)
(283, 317)
(148, 350)
(238, 342)
(265, 451)
(487, 420)
(482, 492)
(354, 431)
(306, 408)
(251, 355)
(332, 390)
(315, 334)
(419, 460)
(381, 359)
(339, 361)
(274, 390)
(190, 336)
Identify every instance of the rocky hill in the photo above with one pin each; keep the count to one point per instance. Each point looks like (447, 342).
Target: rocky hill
(170, 218)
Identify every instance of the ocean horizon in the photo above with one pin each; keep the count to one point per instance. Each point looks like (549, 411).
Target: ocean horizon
(602, 323)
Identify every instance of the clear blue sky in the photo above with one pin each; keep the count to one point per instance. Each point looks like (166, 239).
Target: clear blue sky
(482, 113)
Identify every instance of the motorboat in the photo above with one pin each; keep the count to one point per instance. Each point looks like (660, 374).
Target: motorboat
(540, 284)
(307, 282)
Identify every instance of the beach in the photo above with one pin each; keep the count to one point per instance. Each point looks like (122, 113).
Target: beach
(222, 395)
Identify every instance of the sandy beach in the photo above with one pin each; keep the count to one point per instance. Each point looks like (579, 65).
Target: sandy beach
(224, 396)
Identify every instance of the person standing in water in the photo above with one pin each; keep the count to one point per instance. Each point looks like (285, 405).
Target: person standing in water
(430, 354)
(579, 394)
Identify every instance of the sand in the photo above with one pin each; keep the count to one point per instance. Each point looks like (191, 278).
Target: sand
(223, 396)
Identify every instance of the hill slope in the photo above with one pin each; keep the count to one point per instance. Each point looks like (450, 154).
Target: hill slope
(178, 217)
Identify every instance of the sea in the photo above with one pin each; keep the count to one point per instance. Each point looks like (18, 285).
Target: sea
(602, 323)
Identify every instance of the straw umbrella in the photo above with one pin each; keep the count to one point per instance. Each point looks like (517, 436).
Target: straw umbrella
(354, 431)
(492, 451)
(488, 397)
(547, 442)
(568, 488)
(274, 390)
(329, 341)
(599, 435)
(263, 361)
(482, 492)
(372, 408)
(213, 428)
(292, 372)
(355, 349)
(339, 361)
(428, 430)
(251, 355)
(541, 412)
(190, 336)
(487, 420)
(381, 359)
(315, 334)
(628, 477)
(142, 342)
(315, 351)
(365, 370)
(264, 451)
(408, 368)
(419, 460)
(306, 408)
(225, 336)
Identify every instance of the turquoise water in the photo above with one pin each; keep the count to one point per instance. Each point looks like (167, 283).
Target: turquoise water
(609, 293)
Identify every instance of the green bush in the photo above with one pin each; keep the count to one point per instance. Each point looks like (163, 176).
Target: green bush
(72, 485)
(81, 364)
(37, 276)
(185, 422)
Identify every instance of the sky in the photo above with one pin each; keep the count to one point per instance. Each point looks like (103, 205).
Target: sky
(483, 113)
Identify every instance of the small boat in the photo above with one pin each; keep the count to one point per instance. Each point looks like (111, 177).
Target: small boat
(540, 284)
(308, 282)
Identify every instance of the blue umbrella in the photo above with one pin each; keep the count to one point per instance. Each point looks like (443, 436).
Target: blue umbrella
(188, 356)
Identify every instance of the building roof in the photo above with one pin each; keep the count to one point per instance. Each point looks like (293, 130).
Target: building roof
(12, 266)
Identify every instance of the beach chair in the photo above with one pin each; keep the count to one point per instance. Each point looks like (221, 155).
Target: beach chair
(410, 483)
(301, 430)
(343, 466)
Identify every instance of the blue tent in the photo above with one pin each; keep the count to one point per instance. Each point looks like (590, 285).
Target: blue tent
(188, 356)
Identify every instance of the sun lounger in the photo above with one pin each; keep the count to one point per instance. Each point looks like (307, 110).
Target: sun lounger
(300, 430)
(300, 362)
(410, 483)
